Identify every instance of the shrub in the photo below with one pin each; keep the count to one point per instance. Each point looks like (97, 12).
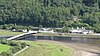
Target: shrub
(4, 41)
(16, 46)
(5, 54)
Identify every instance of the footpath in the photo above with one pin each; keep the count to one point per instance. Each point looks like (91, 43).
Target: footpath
(21, 50)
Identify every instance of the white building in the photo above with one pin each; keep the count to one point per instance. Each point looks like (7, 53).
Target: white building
(81, 31)
(87, 32)
(75, 31)
(46, 30)
(25, 30)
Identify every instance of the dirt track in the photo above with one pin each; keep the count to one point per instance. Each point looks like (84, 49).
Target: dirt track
(79, 49)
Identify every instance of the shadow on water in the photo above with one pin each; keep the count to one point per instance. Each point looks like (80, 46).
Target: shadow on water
(1, 37)
(94, 41)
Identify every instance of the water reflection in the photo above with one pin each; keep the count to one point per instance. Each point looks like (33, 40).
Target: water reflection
(65, 39)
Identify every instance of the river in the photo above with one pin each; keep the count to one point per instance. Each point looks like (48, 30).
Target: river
(94, 41)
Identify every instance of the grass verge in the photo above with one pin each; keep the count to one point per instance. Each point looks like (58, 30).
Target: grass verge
(9, 33)
(4, 47)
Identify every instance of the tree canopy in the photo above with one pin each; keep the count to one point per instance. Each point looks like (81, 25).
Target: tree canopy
(50, 13)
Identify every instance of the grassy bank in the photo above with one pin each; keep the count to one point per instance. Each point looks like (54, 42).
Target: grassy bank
(4, 47)
(67, 35)
(46, 49)
(8, 33)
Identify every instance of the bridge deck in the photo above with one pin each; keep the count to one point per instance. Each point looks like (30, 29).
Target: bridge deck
(14, 37)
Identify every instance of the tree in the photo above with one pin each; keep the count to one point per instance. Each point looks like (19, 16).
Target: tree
(48, 13)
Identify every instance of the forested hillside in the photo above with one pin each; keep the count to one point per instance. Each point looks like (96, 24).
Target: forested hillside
(51, 13)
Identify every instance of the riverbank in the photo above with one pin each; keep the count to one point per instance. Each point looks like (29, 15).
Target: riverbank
(38, 48)
(79, 49)
(68, 35)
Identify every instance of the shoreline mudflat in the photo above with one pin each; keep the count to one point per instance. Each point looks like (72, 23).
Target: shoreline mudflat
(84, 53)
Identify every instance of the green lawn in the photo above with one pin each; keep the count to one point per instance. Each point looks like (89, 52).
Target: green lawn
(4, 48)
(46, 49)
(9, 33)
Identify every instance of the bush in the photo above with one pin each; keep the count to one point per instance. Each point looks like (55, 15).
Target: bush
(5, 54)
(12, 43)
(16, 46)
(23, 44)
(4, 41)
(15, 49)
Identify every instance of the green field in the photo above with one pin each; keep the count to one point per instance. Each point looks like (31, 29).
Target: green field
(4, 48)
(46, 49)
(8, 33)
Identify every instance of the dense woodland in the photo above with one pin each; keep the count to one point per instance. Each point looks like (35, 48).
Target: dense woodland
(51, 13)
